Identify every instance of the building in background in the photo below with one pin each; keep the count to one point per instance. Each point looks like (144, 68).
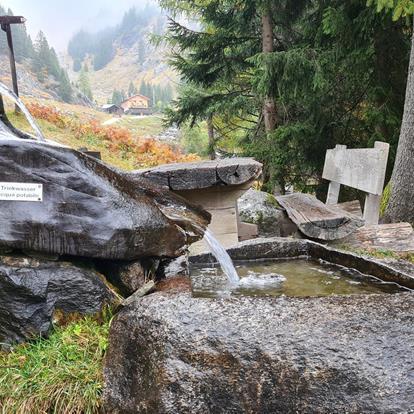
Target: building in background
(112, 109)
(137, 105)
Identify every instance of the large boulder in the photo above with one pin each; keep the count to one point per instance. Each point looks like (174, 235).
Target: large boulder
(33, 291)
(262, 209)
(177, 354)
(89, 209)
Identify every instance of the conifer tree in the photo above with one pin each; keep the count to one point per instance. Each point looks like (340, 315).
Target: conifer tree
(401, 202)
(84, 84)
(65, 89)
(328, 75)
(131, 89)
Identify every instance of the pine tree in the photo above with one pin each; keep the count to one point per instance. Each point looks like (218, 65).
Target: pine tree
(84, 85)
(118, 97)
(330, 76)
(65, 89)
(401, 202)
(131, 89)
(41, 57)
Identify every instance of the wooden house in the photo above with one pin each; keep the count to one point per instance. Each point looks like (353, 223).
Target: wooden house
(112, 109)
(136, 104)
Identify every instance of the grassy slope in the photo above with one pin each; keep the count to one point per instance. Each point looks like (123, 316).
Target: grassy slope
(140, 126)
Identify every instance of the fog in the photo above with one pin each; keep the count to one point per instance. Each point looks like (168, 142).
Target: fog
(59, 19)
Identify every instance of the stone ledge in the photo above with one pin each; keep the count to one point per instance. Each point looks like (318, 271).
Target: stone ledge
(203, 174)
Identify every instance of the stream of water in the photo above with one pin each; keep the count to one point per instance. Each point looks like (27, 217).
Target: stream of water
(11, 95)
(222, 257)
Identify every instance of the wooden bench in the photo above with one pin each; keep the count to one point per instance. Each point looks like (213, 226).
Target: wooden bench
(363, 169)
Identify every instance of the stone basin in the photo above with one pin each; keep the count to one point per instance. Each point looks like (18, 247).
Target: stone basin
(171, 352)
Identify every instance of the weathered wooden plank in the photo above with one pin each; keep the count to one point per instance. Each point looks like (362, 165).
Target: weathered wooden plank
(396, 237)
(361, 168)
(318, 220)
(204, 174)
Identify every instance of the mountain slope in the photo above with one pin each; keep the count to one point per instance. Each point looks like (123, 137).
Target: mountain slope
(117, 56)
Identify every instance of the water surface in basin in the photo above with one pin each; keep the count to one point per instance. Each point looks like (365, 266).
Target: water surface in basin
(299, 277)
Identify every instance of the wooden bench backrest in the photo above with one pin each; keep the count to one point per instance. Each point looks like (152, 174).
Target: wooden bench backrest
(361, 168)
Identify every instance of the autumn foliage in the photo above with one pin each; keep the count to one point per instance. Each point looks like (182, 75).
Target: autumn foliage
(145, 152)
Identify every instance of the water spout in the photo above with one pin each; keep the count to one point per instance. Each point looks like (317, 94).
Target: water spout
(223, 257)
(216, 248)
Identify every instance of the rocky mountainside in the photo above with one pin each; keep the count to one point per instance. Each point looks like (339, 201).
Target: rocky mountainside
(119, 56)
(31, 87)
(28, 83)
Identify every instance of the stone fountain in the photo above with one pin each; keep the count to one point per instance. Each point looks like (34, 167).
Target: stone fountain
(67, 219)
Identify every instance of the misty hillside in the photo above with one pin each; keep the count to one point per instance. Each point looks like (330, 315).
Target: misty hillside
(121, 59)
(39, 71)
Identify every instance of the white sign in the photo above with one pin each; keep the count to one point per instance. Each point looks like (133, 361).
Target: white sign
(21, 192)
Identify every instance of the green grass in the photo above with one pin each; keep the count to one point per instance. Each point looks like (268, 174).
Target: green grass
(378, 253)
(195, 140)
(61, 374)
(149, 126)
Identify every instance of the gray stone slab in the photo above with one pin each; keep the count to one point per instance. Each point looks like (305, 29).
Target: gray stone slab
(88, 208)
(340, 354)
(203, 174)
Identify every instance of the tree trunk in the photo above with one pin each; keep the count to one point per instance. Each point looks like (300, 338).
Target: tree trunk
(401, 203)
(211, 138)
(269, 105)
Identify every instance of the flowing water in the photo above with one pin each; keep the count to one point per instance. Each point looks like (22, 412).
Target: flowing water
(11, 95)
(222, 257)
(294, 277)
(216, 248)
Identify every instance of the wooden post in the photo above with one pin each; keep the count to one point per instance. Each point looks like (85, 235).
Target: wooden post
(7, 29)
(5, 22)
(372, 209)
(373, 201)
(334, 187)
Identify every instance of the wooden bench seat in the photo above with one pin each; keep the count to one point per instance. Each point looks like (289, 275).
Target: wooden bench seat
(318, 220)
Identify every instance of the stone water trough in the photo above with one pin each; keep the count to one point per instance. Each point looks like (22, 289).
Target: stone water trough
(171, 352)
